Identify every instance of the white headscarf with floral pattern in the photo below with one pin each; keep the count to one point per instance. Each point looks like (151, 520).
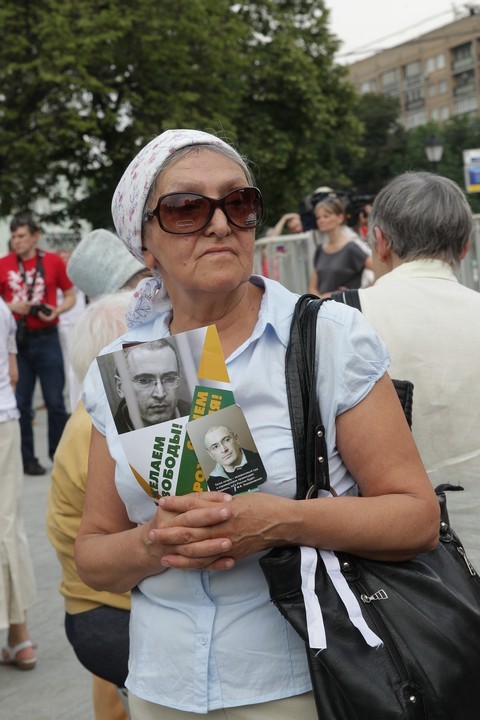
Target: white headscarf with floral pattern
(150, 296)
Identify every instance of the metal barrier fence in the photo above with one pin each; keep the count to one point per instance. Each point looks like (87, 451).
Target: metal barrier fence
(468, 272)
(289, 259)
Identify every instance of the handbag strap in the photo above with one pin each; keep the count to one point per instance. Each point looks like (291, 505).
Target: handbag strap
(310, 447)
(348, 297)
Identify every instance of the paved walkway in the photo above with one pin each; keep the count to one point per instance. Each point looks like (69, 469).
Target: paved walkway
(59, 687)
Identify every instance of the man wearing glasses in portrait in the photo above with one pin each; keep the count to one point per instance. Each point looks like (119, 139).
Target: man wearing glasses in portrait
(148, 384)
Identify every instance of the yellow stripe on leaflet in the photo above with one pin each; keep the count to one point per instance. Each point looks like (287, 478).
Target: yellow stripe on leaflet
(212, 363)
(143, 484)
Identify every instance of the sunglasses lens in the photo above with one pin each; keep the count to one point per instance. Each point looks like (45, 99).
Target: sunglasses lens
(183, 212)
(244, 207)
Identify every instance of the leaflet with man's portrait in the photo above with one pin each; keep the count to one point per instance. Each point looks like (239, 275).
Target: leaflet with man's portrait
(153, 389)
(227, 452)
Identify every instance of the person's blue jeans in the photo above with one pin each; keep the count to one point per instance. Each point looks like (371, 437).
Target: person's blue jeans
(41, 358)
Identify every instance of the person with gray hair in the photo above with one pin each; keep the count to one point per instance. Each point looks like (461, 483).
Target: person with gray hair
(419, 231)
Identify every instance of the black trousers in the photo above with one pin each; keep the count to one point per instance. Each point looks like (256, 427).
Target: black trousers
(100, 640)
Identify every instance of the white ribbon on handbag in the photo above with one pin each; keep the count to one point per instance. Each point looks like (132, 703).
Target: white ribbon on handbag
(315, 625)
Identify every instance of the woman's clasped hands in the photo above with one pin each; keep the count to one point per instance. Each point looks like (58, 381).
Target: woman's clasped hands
(209, 531)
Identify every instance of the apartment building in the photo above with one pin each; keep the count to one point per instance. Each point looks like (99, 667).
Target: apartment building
(436, 76)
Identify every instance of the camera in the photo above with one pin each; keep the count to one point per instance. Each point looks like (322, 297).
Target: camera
(35, 309)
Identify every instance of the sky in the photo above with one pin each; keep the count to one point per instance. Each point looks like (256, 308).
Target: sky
(375, 25)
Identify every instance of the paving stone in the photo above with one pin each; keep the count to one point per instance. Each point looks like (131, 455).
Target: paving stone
(59, 688)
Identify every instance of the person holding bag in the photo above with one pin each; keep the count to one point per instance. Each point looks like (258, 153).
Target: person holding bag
(205, 638)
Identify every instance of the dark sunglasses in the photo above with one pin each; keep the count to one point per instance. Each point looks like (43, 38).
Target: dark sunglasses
(184, 213)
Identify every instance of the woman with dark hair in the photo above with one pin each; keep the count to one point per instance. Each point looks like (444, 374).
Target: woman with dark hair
(205, 639)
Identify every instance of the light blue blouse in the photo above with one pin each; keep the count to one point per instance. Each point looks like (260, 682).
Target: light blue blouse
(200, 641)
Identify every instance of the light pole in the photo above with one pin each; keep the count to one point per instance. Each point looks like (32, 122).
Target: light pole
(433, 147)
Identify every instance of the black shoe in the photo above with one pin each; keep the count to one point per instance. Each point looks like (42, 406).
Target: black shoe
(33, 468)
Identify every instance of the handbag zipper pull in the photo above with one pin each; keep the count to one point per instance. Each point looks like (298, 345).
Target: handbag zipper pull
(469, 565)
(379, 595)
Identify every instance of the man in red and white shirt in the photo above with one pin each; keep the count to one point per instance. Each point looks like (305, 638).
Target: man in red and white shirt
(29, 279)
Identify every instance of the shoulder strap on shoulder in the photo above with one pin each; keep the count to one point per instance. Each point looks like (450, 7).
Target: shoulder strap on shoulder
(311, 459)
(404, 388)
(348, 297)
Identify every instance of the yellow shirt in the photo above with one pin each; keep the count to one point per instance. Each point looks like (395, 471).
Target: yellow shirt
(64, 512)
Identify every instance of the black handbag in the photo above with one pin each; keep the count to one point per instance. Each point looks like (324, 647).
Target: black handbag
(426, 610)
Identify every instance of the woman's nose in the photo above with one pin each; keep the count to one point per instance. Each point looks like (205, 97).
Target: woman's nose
(218, 224)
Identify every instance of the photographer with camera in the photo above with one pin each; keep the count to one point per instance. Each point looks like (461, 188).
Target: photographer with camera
(29, 279)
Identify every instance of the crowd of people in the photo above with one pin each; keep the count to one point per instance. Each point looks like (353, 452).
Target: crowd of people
(165, 601)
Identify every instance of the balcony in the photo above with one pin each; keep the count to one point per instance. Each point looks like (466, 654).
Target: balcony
(415, 103)
(462, 64)
(414, 81)
(462, 90)
(466, 105)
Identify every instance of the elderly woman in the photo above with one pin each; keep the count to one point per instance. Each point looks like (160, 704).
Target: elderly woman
(204, 636)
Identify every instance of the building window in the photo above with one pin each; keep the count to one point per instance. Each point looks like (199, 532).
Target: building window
(462, 52)
(413, 69)
(462, 57)
(414, 119)
(414, 97)
(393, 91)
(435, 114)
(432, 90)
(368, 86)
(464, 83)
(430, 66)
(442, 87)
(440, 61)
(445, 113)
(466, 105)
(390, 77)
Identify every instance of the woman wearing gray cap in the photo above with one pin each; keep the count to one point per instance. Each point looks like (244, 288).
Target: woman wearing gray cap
(204, 637)
(100, 264)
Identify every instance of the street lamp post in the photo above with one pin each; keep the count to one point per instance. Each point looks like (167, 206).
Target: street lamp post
(433, 147)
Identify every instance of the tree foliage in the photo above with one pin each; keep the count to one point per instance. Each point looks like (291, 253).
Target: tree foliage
(85, 83)
(457, 134)
(387, 149)
(383, 142)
